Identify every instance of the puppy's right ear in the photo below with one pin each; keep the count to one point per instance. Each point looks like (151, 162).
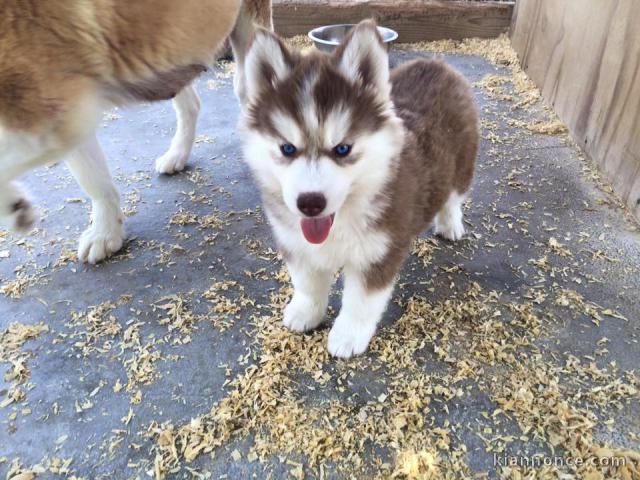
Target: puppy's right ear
(268, 62)
(363, 58)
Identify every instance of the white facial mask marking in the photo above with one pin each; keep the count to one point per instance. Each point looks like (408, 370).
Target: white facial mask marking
(336, 126)
(288, 128)
(322, 176)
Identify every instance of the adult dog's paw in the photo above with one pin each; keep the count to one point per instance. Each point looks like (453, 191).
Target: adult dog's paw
(100, 241)
(16, 212)
(173, 161)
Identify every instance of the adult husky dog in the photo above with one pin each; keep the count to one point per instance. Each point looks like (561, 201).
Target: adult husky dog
(354, 162)
(62, 62)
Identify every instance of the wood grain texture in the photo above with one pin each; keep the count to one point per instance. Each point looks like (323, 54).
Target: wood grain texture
(414, 20)
(585, 57)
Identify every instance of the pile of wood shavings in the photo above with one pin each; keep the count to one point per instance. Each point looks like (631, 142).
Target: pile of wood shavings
(52, 466)
(470, 335)
(178, 315)
(498, 50)
(536, 394)
(423, 248)
(487, 344)
(11, 342)
(212, 220)
(16, 288)
(553, 127)
(523, 93)
(226, 309)
(94, 329)
(301, 43)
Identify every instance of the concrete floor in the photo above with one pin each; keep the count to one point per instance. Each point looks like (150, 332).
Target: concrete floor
(529, 188)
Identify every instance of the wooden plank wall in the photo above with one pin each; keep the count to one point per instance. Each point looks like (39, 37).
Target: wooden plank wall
(585, 57)
(414, 20)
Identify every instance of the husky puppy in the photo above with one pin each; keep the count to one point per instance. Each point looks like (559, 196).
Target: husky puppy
(62, 62)
(353, 162)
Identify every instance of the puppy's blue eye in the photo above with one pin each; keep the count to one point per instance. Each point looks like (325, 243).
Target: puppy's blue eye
(342, 150)
(288, 150)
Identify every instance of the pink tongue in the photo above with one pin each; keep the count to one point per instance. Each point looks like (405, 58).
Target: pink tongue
(316, 230)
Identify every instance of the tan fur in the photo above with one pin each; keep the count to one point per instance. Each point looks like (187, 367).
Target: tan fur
(253, 11)
(55, 53)
(62, 62)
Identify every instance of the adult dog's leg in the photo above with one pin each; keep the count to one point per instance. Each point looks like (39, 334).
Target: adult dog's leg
(252, 13)
(187, 106)
(187, 103)
(105, 234)
(19, 153)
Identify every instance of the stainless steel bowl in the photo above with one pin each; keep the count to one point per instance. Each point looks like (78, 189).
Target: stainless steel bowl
(327, 38)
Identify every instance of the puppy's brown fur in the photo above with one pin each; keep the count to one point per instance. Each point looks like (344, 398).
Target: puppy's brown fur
(441, 144)
(441, 140)
(383, 155)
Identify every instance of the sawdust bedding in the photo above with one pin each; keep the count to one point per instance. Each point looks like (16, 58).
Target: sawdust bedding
(440, 352)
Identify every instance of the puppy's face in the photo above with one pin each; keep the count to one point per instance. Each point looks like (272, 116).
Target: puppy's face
(320, 128)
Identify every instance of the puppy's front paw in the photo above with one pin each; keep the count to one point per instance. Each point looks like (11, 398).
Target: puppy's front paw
(348, 338)
(303, 314)
(453, 230)
(100, 241)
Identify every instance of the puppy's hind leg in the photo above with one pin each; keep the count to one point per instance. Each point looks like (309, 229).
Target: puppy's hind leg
(105, 234)
(448, 221)
(187, 107)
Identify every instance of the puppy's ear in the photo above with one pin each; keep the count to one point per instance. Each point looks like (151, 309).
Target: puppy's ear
(363, 58)
(268, 62)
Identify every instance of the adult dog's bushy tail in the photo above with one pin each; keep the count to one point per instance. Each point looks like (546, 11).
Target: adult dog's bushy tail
(253, 13)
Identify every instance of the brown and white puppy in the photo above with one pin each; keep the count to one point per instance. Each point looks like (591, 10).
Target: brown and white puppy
(353, 162)
(62, 62)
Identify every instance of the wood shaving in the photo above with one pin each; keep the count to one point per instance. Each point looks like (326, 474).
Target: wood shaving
(17, 287)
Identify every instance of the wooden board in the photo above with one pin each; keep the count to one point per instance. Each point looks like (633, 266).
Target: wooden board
(585, 57)
(414, 20)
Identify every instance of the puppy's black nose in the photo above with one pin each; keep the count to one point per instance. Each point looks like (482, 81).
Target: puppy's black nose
(311, 204)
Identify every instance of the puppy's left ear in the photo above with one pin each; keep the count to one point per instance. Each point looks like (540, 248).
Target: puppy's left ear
(363, 58)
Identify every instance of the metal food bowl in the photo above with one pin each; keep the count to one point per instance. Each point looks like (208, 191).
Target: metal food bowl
(327, 38)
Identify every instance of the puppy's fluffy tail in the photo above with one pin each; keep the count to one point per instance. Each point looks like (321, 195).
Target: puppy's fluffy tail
(253, 13)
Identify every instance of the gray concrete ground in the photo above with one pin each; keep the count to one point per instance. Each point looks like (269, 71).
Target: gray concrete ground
(543, 232)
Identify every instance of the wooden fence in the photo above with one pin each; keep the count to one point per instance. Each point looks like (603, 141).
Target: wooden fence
(585, 57)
